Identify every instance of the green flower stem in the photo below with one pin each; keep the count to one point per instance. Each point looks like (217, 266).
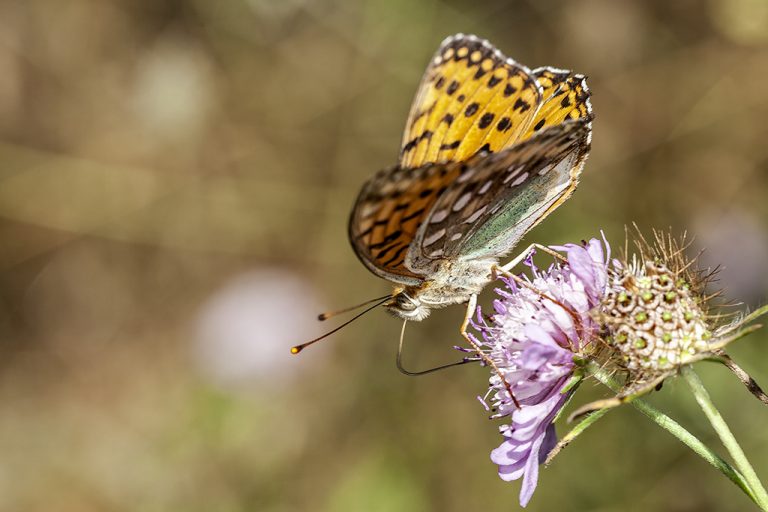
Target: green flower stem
(729, 441)
(681, 433)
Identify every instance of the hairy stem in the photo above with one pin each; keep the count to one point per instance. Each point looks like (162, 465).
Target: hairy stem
(681, 433)
(726, 436)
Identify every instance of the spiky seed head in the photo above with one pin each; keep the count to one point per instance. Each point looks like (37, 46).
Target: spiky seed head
(656, 323)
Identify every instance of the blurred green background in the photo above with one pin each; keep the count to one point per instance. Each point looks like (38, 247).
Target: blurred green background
(175, 180)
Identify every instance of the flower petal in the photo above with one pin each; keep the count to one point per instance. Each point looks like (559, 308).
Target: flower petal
(531, 473)
(532, 338)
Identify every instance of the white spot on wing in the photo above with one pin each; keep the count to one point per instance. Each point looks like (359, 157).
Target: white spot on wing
(545, 170)
(455, 237)
(466, 175)
(434, 237)
(462, 201)
(513, 171)
(438, 216)
(369, 209)
(519, 180)
(472, 218)
(488, 184)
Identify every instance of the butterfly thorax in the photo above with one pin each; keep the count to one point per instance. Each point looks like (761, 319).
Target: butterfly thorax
(452, 283)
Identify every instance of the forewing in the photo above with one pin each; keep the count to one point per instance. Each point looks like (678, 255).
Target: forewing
(471, 98)
(498, 197)
(388, 213)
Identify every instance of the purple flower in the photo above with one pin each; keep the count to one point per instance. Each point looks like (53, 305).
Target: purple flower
(532, 338)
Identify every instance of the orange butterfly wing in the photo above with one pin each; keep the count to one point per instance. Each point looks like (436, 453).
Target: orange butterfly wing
(471, 99)
(564, 96)
(388, 213)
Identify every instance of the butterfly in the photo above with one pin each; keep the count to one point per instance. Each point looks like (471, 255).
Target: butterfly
(490, 149)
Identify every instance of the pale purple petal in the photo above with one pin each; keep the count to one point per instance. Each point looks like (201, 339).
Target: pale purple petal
(532, 341)
(531, 473)
(583, 267)
(536, 334)
(550, 440)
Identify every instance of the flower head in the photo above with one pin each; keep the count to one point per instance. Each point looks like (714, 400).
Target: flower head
(641, 317)
(657, 314)
(539, 324)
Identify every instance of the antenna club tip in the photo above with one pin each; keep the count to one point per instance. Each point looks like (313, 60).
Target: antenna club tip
(295, 350)
(322, 316)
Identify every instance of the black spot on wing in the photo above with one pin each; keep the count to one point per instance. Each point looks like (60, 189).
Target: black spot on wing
(452, 145)
(415, 141)
(412, 215)
(486, 120)
(388, 239)
(410, 144)
(521, 105)
(395, 256)
(387, 249)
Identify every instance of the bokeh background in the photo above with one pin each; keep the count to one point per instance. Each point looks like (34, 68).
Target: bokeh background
(175, 179)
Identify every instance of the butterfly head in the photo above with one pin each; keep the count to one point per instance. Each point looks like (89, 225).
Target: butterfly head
(407, 305)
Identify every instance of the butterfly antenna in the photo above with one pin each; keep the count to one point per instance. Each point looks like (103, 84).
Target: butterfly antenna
(331, 314)
(298, 348)
(431, 370)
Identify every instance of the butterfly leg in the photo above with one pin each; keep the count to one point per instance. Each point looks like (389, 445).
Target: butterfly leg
(471, 306)
(399, 359)
(520, 257)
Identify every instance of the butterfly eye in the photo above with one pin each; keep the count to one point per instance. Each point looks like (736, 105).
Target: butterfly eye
(405, 303)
